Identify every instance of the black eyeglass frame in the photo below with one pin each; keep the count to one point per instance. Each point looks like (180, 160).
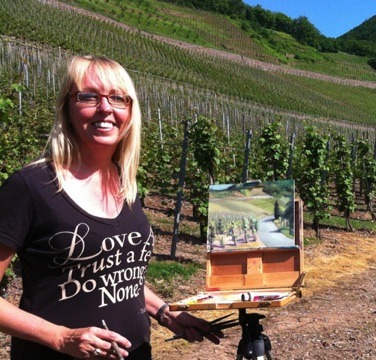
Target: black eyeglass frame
(127, 99)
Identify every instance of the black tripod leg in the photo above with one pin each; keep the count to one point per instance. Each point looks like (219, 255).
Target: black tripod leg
(245, 344)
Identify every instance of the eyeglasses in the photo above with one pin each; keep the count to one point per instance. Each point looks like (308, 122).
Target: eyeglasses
(90, 99)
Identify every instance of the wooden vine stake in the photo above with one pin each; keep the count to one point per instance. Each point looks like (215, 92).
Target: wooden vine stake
(180, 192)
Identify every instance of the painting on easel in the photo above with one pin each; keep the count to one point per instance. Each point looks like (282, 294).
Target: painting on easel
(251, 215)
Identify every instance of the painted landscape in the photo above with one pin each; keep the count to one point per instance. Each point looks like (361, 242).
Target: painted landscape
(251, 215)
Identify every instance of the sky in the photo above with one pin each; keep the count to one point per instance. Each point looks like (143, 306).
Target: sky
(332, 18)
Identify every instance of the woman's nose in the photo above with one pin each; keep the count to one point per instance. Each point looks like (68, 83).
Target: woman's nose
(104, 105)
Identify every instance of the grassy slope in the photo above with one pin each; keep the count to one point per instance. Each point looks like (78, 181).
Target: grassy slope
(198, 74)
(220, 32)
(292, 93)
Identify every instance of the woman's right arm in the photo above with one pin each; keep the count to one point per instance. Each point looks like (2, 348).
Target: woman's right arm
(78, 343)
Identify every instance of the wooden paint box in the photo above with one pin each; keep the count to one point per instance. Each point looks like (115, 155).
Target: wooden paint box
(264, 277)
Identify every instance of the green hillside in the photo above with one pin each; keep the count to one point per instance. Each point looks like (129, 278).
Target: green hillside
(364, 32)
(214, 67)
(231, 33)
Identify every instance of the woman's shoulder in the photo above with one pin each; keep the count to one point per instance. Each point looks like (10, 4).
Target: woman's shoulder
(35, 172)
(37, 167)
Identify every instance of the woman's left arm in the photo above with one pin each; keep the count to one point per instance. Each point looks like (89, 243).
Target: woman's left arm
(179, 322)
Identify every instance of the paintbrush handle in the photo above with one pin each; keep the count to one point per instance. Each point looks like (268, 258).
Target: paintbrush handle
(114, 344)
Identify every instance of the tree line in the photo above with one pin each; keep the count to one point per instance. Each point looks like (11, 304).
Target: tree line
(360, 41)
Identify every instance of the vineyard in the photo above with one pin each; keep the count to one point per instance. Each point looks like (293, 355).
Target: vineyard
(215, 99)
(218, 107)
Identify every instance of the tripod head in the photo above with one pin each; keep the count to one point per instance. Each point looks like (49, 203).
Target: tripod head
(254, 343)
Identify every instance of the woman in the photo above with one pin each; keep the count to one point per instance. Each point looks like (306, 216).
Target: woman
(75, 221)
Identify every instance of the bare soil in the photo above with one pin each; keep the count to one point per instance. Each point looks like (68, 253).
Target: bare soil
(333, 320)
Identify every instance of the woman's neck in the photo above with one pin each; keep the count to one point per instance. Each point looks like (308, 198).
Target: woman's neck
(93, 160)
(94, 186)
(85, 169)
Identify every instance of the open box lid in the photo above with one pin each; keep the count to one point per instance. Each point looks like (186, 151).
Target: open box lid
(254, 270)
(254, 277)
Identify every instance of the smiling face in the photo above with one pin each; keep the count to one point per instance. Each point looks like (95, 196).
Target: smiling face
(101, 126)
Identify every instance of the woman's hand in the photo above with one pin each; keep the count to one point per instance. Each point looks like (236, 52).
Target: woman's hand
(192, 328)
(189, 327)
(93, 343)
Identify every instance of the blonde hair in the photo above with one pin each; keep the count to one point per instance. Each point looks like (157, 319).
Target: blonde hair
(62, 145)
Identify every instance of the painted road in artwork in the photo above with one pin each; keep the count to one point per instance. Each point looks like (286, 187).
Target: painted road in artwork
(269, 234)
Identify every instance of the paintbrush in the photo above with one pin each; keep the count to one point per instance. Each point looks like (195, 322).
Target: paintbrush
(115, 346)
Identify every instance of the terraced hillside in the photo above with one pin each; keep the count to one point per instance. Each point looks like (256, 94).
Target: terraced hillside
(211, 81)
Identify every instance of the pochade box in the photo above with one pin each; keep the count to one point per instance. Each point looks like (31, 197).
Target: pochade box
(254, 247)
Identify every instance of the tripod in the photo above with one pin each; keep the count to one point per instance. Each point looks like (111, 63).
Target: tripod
(254, 344)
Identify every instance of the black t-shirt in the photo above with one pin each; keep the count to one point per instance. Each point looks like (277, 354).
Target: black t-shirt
(77, 269)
